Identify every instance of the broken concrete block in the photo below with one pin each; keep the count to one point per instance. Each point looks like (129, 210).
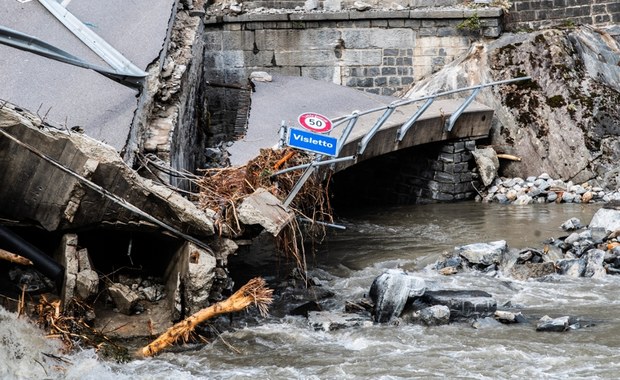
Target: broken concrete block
(124, 298)
(66, 255)
(265, 209)
(84, 262)
(189, 278)
(87, 284)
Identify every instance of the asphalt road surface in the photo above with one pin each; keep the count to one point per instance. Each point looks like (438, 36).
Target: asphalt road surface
(71, 96)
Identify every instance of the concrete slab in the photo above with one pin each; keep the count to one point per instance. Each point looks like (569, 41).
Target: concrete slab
(285, 98)
(73, 96)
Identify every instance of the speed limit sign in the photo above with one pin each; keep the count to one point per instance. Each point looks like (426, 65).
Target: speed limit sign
(315, 122)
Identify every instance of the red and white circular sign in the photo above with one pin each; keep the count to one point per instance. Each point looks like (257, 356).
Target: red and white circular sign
(315, 122)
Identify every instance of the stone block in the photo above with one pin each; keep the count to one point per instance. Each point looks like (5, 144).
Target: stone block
(87, 284)
(123, 297)
(463, 304)
(370, 57)
(324, 73)
(84, 262)
(304, 58)
(238, 40)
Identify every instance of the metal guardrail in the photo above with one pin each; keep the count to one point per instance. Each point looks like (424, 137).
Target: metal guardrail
(387, 112)
(123, 71)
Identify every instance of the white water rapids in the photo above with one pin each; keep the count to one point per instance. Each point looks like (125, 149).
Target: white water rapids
(410, 237)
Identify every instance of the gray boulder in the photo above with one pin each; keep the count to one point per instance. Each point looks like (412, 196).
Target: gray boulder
(547, 323)
(435, 315)
(390, 292)
(594, 264)
(606, 218)
(463, 304)
(483, 253)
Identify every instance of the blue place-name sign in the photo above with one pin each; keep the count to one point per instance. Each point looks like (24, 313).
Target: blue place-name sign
(313, 142)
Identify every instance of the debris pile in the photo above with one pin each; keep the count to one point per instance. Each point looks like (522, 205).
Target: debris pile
(224, 189)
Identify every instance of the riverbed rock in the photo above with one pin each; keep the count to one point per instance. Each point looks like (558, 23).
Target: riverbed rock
(533, 270)
(488, 164)
(559, 324)
(390, 292)
(330, 321)
(509, 317)
(484, 254)
(463, 304)
(572, 224)
(435, 315)
(606, 218)
(571, 267)
(594, 264)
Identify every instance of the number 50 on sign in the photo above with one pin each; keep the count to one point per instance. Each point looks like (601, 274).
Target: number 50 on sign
(315, 122)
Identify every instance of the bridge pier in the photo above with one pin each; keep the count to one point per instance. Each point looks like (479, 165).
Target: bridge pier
(435, 172)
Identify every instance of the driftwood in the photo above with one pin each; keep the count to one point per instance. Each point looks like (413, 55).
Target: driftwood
(509, 157)
(255, 292)
(14, 258)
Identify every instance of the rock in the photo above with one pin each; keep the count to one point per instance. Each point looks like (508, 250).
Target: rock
(572, 238)
(361, 6)
(463, 304)
(606, 218)
(547, 323)
(84, 262)
(587, 197)
(523, 200)
(511, 195)
(124, 298)
(568, 197)
(154, 293)
(571, 267)
(332, 5)
(532, 270)
(483, 253)
(552, 196)
(87, 284)
(509, 317)
(261, 76)
(310, 5)
(488, 164)
(572, 224)
(446, 271)
(390, 292)
(330, 321)
(263, 208)
(435, 315)
(594, 264)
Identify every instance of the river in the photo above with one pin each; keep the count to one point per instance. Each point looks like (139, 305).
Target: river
(411, 237)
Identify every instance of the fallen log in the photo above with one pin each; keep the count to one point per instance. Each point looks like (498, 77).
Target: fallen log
(255, 292)
(509, 157)
(14, 258)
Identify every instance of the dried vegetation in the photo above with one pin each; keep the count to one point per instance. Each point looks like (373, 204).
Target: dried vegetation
(223, 189)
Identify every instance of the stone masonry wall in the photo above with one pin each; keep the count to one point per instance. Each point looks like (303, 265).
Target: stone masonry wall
(438, 172)
(381, 52)
(537, 14)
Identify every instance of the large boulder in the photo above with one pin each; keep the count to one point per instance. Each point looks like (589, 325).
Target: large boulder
(463, 304)
(607, 218)
(484, 254)
(390, 292)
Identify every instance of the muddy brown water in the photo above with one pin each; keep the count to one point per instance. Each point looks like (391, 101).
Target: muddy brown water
(411, 237)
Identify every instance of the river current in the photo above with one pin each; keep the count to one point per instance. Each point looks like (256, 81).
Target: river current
(411, 237)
